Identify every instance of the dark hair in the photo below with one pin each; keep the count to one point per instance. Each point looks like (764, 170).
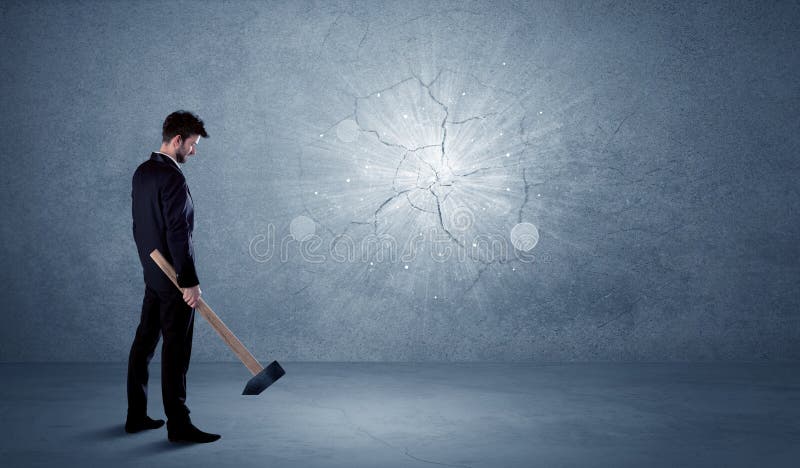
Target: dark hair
(182, 123)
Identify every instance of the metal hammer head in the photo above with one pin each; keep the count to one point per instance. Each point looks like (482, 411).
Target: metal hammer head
(264, 379)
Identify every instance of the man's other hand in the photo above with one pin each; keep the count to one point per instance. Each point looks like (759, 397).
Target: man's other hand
(192, 295)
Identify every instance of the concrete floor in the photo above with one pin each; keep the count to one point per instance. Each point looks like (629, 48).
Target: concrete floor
(411, 415)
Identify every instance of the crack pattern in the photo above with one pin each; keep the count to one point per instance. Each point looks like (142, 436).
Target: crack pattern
(425, 181)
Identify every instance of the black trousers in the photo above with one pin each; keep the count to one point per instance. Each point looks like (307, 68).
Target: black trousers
(168, 315)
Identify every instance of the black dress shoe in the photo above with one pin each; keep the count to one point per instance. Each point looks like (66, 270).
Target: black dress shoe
(188, 433)
(133, 425)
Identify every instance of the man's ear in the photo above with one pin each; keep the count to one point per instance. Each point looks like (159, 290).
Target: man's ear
(176, 141)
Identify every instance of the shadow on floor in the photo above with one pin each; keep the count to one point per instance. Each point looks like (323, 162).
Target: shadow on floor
(116, 431)
(161, 446)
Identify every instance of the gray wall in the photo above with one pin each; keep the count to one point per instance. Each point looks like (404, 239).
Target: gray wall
(654, 147)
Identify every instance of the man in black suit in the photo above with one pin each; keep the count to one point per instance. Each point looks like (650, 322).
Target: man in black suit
(163, 219)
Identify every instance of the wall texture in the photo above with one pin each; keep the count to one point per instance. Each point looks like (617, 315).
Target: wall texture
(412, 180)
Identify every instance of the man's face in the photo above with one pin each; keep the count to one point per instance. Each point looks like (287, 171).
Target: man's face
(187, 148)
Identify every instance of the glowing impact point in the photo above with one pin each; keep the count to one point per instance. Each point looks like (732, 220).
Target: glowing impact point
(347, 130)
(524, 236)
(302, 227)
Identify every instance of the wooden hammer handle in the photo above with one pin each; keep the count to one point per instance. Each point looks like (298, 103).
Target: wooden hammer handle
(244, 355)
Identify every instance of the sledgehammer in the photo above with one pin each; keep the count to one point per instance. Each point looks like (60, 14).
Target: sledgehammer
(262, 377)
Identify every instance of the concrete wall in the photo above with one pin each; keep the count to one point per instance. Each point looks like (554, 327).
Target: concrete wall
(646, 153)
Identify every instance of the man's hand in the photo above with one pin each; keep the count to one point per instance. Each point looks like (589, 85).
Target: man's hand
(192, 295)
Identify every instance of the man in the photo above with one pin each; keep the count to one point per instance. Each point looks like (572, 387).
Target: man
(163, 219)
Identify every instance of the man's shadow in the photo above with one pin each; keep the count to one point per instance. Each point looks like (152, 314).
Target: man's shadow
(117, 432)
(114, 431)
(161, 446)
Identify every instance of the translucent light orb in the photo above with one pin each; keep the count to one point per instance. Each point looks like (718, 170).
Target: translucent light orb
(524, 236)
(347, 130)
(302, 227)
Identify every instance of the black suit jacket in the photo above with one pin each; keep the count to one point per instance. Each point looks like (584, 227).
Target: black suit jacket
(163, 219)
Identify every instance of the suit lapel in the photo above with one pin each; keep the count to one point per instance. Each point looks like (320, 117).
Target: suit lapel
(165, 159)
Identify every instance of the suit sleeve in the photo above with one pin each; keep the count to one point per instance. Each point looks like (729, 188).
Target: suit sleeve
(175, 199)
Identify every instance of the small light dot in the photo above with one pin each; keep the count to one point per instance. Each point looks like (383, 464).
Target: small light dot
(316, 193)
(507, 188)
(504, 64)
(508, 154)
(464, 93)
(435, 297)
(474, 244)
(538, 194)
(540, 112)
(360, 199)
(370, 263)
(321, 135)
(405, 116)
(406, 267)
(513, 269)
(379, 94)
(501, 133)
(348, 180)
